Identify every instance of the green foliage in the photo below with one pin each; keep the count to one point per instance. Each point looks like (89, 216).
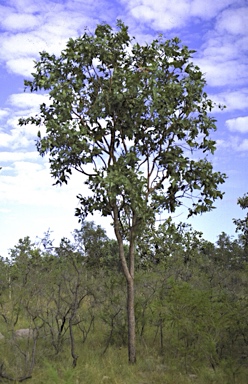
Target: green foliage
(168, 240)
(129, 118)
(191, 316)
(242, 224)
(96, 248)
(231, 253)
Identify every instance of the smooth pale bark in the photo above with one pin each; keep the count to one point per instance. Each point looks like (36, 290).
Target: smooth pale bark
(128, 271)
(131, 322)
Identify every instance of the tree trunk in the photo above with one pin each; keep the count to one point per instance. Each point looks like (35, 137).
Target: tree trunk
(130, 296)
(131, 321)
(128, 271)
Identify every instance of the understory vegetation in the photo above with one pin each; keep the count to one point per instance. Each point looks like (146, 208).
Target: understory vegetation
(191, 309)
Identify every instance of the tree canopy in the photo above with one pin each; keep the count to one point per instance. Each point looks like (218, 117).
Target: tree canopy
(125, 115)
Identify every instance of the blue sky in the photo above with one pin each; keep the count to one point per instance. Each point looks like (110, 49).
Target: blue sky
(216, 29)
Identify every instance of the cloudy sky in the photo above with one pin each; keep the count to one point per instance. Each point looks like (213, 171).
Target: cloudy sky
(216, 29)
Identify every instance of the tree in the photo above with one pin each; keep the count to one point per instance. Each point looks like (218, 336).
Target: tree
(242, 224)
(168, 240)
(93, 243)
(129, 118)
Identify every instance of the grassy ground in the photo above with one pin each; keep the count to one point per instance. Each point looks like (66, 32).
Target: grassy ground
(112, 368)
(92, 368)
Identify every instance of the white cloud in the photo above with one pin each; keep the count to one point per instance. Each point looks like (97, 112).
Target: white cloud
(242, 43)
(223, 73)
(233, 100)
(3, 113)
(30, 183)
(28, 100)
(5, 210)
(14, 136)
(64, 25)
(14, 140)
(23, 21)
(21, 66)
(220, 143)
(222, 45)
(232, 144)
(5, 139)
(223, 55)
(37, 6)
(19, 137)
(162, 14)
(208, 10)
(4, 12)
(234, 21)
(169, 14)
(6, 157)
(20, 45)
(243, 146)
(240, 124)
(49, 28)
(219, 48)
(25, 168)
